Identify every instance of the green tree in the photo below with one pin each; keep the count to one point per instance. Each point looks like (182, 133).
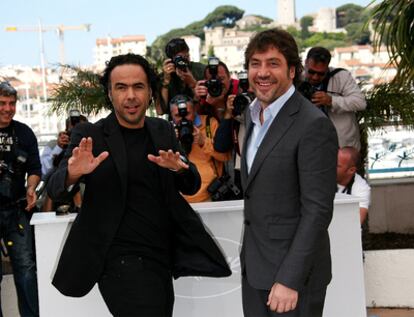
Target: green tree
(392, 21)
(357, 33)
(83, 92)
(348, 13)
(305, 22)
(222, 16)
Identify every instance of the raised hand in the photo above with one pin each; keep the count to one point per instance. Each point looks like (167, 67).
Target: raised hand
(168, 159)
(82, 160)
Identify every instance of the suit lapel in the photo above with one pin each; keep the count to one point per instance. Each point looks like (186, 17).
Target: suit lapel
(114, 140)
(274, 134)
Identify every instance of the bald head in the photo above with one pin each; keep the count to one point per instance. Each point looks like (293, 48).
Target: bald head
(348, 162)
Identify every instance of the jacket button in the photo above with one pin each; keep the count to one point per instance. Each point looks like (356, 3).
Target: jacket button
(247, 222)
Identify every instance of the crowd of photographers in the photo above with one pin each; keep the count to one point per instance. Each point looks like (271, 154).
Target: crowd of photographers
(204, 104)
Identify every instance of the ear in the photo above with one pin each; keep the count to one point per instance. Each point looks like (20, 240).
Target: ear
(352, 170)
(110, 96)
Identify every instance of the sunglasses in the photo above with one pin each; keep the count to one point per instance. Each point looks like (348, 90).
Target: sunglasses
(314, 72)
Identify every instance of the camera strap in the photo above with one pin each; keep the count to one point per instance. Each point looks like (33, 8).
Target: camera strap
(328, 77)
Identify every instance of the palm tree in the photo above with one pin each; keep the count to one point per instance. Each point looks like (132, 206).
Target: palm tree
(393, 23)
(83, 91)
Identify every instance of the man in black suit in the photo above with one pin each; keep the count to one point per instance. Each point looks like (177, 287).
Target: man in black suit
(288, 175)
(134, 230)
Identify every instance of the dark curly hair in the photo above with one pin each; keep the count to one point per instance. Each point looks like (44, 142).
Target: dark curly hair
(128, 59)
(283, 41)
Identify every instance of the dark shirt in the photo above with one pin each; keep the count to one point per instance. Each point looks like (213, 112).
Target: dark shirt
(178, 87)
(145, 228)
(22, 144)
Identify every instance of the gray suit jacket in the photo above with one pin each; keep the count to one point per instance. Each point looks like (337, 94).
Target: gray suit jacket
(289, 195)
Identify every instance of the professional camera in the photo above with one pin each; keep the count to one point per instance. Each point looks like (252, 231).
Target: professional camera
(181, 62)
(185, 126)
(75, 117)
(222, 188)
(307, 90)
(8, 174)
(214, 85)
(242, 100)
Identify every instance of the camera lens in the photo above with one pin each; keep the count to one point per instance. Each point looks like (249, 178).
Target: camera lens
(180, 62)
(240, 103)
(214, 87)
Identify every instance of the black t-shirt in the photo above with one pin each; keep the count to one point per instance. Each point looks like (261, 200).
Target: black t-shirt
(145, 228)
(19, 156)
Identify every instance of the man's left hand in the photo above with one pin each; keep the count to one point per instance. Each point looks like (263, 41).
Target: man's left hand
(321, 98)
(282, 298)
(31, 198)
(168, 159)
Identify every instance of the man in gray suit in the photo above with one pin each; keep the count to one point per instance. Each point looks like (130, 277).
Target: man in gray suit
(289, 181)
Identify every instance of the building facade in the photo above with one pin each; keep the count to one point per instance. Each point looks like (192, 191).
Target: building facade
(105, 48)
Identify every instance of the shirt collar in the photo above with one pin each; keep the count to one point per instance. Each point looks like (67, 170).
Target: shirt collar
(273, 109)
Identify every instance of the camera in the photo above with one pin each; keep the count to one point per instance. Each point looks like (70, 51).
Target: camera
(307, 90)
(180, 62)
(74, 116)
(242, 100)
(8, 173)
(222, 188)
(214, 85)
(185, 126)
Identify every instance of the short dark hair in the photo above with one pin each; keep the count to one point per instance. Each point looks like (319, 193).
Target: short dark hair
(281, 40)
(319, 54)
(129, 59)
(7, 90)
(175, 46)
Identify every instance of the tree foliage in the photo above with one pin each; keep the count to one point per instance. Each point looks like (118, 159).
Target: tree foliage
(225, 16)
(83, 92)
(348, 13)
(392, 21)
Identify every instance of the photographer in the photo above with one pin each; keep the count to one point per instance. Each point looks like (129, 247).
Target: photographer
(230, 133)
(196, 134)
(179, 75)
(19, 156)
(336, 93)
(54, 148)
(213, 91)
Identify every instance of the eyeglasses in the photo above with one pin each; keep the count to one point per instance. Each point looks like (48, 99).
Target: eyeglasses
(314, 72)
(6, 88)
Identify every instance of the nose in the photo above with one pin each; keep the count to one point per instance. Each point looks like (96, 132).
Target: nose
(263, 71)
(130, 93)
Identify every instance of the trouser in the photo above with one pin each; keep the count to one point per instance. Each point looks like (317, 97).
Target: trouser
(135, 286)
(310, 302)
(16, 232)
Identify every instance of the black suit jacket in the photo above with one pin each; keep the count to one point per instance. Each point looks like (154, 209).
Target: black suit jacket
(83, 256)
(289, 195)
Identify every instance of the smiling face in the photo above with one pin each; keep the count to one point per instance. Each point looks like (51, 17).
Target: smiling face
(7, 110)
(269, 75)
(130, 94)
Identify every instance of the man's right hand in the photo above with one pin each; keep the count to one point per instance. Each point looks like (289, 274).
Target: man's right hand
(82, 160)
(63, 139)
